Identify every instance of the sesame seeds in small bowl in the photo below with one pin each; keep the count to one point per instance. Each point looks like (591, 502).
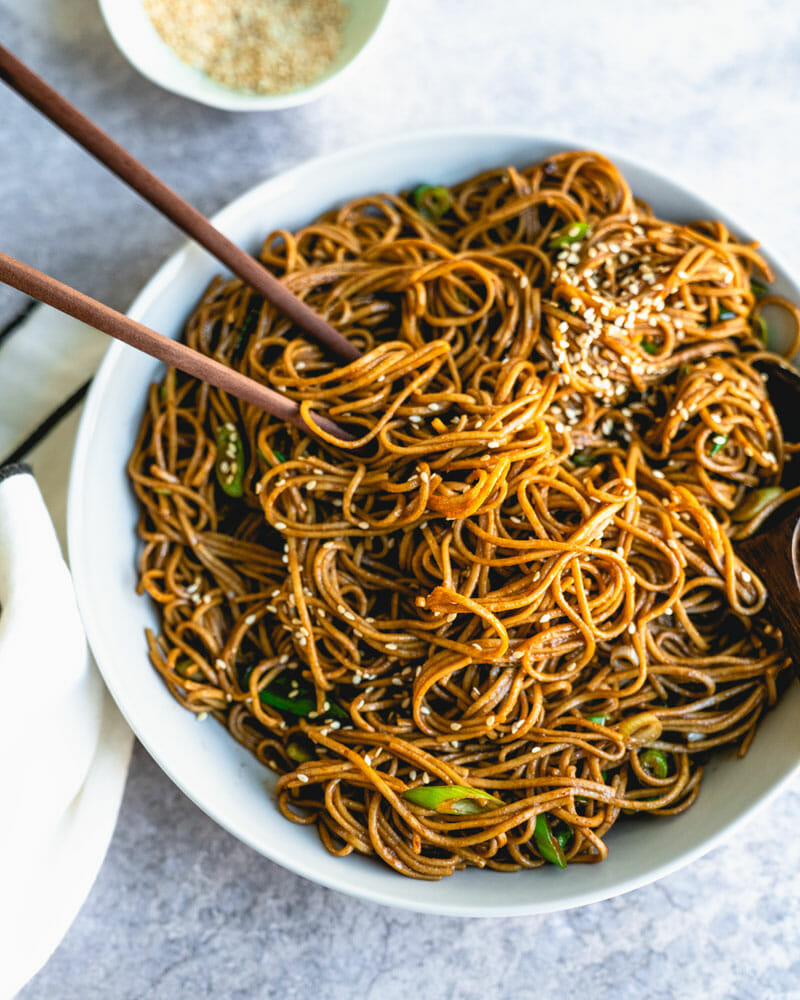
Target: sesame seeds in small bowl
(248, 55)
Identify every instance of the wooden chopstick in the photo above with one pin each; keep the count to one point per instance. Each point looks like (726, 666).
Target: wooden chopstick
(74, 303)
(120, 162)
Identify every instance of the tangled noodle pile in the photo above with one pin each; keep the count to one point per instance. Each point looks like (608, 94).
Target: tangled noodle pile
(511, 609)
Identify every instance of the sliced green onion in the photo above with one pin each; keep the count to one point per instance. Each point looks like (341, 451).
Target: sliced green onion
(248, 326)
(452, 799)
(563, 837)
(720, 440)
(278, 454)
(583, 458)
(230, 460)
(297, 753)
(650, 346)
(600, 720)
(279, 694)
(163, 490)
(758, 288)
(656, 762)
(547, 845)
(755, 502)
(568, 234)
(645, 726)
(432, 201)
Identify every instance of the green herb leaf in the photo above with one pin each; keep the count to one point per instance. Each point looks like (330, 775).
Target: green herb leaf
(720, 440)
(431, 201)
(650, 346)
(163, 490)
(755, 502)
(758, 288)
(571, 233)
(230, 460)
(547, 845)
(452, 799)
(600, 720)
(583, 458)
(656, 762)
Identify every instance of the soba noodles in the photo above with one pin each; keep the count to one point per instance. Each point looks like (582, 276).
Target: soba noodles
(510, 611)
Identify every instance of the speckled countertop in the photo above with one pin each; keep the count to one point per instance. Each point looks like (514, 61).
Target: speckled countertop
(711, 93)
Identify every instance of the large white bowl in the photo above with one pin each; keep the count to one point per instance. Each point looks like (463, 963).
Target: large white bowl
(203, 759)
(140, 43)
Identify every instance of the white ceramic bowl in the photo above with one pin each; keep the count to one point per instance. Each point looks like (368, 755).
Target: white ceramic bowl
(140, 43)
(203, 759)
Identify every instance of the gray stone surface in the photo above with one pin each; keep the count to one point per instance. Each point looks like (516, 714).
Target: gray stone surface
(711, 93)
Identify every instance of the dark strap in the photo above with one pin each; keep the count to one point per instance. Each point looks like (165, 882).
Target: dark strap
(14, 469)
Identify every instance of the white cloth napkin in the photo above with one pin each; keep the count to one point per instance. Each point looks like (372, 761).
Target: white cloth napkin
(54, 700)
(64, 748)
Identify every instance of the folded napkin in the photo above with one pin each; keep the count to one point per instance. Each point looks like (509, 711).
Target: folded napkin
(54, 709)
(64, 748)
(51, 732)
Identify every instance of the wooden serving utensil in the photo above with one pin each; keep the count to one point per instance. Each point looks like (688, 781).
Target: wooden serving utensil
(102, 317)
(774, 553)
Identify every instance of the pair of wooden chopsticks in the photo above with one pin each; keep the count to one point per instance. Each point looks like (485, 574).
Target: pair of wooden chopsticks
(68, 300)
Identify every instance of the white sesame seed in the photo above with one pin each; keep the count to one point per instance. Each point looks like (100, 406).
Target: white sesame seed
(201, 716)
(303, 778)
(455, 726)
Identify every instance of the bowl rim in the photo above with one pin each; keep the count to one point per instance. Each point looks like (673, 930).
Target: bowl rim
(149, 294)
(227, 99)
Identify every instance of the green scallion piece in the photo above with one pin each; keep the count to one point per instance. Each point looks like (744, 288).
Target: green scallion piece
(163, 490)
(230, 460)
(563, 837)
(755, 502)
(453, 800)
(583, 458)
(758, 288)
(650, 346)
(432, 201)
(547, 845)
(719, 442)
(656, 763)
(300, 700)
(567, 235)
(295, 752)
(600, 720)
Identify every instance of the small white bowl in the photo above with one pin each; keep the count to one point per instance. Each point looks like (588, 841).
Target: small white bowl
(143, 47)
(226, 781)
